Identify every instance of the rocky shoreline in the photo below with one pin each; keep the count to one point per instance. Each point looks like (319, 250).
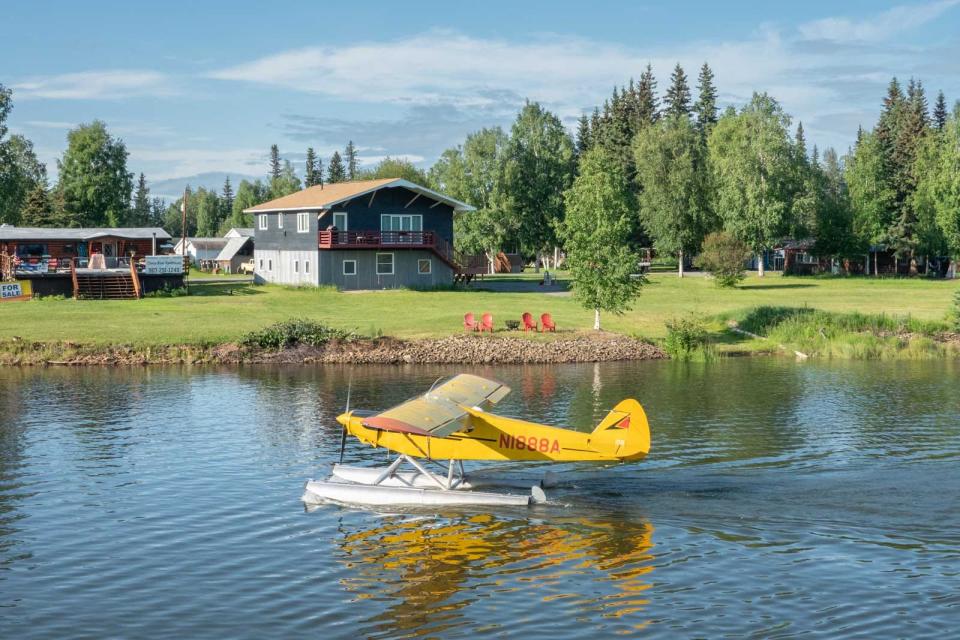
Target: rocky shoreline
(459, 349)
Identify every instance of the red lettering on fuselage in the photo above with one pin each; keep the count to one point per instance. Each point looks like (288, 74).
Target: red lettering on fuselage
(529, 443)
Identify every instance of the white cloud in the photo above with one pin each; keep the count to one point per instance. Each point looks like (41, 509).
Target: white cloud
(49, 124)
(95, 85)
(163, 164)
(878, 27)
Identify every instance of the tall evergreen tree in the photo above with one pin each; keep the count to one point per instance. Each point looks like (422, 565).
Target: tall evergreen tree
(275, 166)
(940, 112)
(648, 106)
(350, 159)
(310, 170)
(583, 135)
(336, 172)
(677, 98)
(706, 106)
(140, 215)
(286, 183)
(226, 199)
(800, 141)
(38, 209)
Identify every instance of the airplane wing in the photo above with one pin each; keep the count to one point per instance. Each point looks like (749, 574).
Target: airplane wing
(442, 410)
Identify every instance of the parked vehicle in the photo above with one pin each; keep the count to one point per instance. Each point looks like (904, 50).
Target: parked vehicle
(246, 267)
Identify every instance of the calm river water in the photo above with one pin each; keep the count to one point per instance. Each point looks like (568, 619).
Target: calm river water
(780, 499)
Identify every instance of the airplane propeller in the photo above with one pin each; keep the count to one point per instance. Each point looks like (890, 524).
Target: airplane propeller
(343, 433)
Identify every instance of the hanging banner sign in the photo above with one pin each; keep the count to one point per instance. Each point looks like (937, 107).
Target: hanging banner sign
(20, 290)
(163, 265)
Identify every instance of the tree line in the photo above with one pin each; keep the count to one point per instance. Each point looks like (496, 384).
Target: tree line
(685, 170)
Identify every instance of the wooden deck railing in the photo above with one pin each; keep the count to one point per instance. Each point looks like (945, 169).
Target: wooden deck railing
(389, 240)
(6, 268)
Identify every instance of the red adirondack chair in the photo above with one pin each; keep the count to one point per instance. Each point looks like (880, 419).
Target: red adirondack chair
(528, 322)
(486, 323)
(469, 323)
(547, 323)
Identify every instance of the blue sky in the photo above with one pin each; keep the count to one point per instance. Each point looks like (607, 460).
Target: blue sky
(203, 86)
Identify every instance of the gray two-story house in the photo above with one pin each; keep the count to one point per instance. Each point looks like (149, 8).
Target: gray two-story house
(367, 234)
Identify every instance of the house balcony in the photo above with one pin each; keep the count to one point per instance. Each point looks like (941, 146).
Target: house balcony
(391, 240)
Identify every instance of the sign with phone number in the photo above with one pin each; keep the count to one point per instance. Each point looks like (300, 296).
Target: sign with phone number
(10, 291)
(163, 265)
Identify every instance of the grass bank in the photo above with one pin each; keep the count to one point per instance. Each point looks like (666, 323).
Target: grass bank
(220, 313)
(854, 335)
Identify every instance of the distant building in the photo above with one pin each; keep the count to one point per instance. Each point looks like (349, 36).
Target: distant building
(116, 244)
(201, 250)
(371, 234)
(239, 249)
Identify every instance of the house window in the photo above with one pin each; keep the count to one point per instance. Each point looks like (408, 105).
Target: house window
(405, 222)
(303, 222)
(269, 265)
(261, 264)
(425, 267)
(384, 264)
(306, 266)
(280, 220)
(296, 266)
(349, 267)
(340, 220)
(262, 219)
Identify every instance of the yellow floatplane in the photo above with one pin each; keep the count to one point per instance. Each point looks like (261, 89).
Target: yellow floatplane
(452, 422)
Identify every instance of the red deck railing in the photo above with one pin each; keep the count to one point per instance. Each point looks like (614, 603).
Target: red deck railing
(390, 240)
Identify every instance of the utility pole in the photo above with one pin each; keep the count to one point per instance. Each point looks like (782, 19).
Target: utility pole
(183, 224)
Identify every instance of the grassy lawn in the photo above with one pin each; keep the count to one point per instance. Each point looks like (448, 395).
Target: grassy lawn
(223, 312)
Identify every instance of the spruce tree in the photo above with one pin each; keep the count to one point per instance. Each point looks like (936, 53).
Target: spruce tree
(583, 135)
(940, 112)
(141, 203)
(677, 98)
(336, 171)
(350, 156)
(275, 166)
(226, 199)
(38, 210)
(310, 170)
(706, 105)
(647, 103)
(800, 140)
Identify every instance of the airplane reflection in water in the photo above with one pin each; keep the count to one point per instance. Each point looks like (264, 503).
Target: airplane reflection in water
(433, 572)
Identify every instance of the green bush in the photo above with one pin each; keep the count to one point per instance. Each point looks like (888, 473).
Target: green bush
(167, 292)
(723, 256)
(293, 332)
(687, 339)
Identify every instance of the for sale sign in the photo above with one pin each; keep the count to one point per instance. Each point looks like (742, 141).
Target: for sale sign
(20, 290)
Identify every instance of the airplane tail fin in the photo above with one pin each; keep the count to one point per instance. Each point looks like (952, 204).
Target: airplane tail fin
(624, 433)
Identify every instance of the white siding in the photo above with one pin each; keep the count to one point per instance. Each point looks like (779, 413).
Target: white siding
(285, 267)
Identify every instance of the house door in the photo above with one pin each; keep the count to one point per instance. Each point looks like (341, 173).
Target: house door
(109, 250)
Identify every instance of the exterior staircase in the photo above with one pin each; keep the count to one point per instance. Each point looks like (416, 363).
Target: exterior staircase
(112, 285)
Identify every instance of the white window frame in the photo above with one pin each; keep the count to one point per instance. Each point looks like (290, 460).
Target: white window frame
(262, 220)
(261, 264)
(303, 222)
(280, 220)
(416, 220)
(269, 265)
(429, 262)
(392, 264)
(346, 220)
(296, 266)
(343, 268)
(306, 266)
